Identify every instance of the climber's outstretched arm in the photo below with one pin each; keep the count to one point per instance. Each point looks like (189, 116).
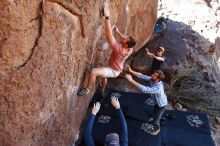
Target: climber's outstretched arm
(154, 56)
(108, 30)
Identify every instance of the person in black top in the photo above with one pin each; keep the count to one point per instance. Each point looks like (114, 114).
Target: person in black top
(158, 59)
(112, 139)
(157, 62)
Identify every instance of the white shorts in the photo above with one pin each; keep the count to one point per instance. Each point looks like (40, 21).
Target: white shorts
(110, 73)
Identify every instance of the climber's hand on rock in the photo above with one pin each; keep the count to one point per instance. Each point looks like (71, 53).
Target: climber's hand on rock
(116, 29)
(106, 11)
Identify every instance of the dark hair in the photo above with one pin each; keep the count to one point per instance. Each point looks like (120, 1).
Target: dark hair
(161, 75)
(131, 43)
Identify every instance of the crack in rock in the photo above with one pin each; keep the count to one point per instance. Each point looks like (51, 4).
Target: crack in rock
(73, 13)
(40, 27)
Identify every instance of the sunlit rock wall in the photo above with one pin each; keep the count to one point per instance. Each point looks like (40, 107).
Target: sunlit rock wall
(45, 49)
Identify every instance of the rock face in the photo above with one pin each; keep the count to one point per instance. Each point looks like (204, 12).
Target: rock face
(191, 40)
(45, 48)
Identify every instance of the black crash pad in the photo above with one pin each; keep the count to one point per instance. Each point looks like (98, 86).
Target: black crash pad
(177, 128)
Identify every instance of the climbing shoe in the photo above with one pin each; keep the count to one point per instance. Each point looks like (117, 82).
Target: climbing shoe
(83, 91)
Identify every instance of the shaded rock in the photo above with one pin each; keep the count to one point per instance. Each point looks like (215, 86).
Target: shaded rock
(121, 84)
(217, 137)
(217, 119)
(216, 126)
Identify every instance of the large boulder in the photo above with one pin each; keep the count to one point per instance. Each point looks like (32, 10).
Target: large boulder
(45, 48)
(192, 44)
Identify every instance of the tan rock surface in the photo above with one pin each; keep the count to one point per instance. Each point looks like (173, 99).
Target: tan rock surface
(45, 48)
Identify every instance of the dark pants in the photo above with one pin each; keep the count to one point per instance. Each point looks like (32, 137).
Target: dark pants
(158, 113)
